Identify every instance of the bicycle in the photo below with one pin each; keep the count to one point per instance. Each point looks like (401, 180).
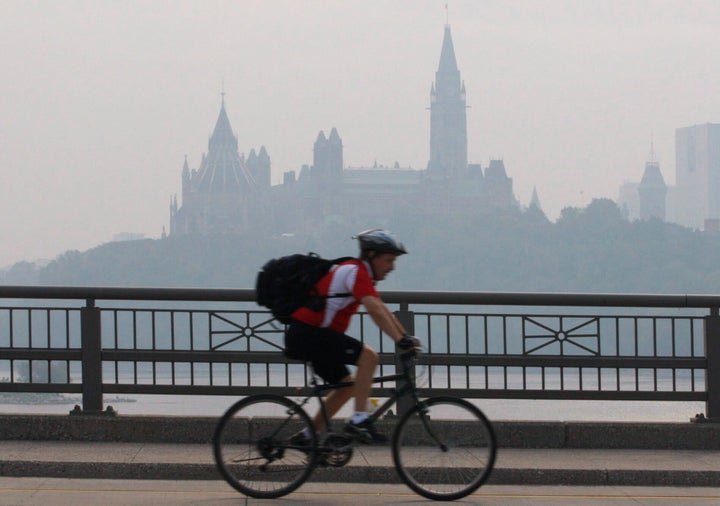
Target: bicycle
(443, 448)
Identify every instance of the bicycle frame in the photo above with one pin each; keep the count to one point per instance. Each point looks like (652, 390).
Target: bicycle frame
(406, 386)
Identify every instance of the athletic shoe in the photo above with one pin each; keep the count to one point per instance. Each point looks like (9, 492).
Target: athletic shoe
(365, 432)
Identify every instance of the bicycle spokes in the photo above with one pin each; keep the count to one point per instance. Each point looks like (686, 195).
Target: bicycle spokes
(254, 447)
(444, 448)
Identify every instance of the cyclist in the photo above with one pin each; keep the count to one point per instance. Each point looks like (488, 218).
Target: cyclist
(319, 337)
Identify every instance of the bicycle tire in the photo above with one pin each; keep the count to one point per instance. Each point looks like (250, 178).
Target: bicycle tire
(253, 449)
(444, 448)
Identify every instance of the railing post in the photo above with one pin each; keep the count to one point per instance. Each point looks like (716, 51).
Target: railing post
(407, 320)
(92, 396)
(712, 372)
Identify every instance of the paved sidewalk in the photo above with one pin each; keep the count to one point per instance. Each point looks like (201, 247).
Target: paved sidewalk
(90, 492)
(169, 461)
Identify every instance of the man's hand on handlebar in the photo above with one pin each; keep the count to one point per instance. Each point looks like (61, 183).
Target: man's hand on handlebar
(408, 342)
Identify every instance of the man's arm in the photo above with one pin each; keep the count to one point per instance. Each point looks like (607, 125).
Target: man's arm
(383, 317)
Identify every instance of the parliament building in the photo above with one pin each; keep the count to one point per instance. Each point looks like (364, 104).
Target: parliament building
(231, 193)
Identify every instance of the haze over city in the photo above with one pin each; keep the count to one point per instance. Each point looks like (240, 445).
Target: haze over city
(102, 100)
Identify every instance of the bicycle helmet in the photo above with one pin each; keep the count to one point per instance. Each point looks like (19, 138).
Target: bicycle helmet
(382, 241)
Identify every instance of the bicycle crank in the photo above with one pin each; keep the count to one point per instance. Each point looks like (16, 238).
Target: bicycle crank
(337, 450)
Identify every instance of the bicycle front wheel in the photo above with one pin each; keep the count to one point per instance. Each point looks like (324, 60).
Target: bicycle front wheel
(258, 448)
(444, 448)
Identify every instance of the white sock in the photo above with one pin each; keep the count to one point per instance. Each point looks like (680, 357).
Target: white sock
(359, 417)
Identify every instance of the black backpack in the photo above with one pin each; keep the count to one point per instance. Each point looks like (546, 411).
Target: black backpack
(286, 284)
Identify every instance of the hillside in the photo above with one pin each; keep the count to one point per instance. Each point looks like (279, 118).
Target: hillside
(593, 249)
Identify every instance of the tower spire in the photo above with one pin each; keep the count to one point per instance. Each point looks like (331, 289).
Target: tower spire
(448, 63)
(534, 200)
(448, 123)
(223, 131)
(651, 158)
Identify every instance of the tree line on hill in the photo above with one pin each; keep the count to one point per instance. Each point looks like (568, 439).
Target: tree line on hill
(591, 249)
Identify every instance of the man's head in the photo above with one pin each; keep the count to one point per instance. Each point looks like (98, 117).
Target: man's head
(380, 248)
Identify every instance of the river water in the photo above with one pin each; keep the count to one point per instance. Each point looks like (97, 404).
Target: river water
(495, 409)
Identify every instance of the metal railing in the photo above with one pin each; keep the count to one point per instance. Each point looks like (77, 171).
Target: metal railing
(101, 340)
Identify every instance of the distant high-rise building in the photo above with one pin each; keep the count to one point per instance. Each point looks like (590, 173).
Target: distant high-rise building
(652, 191)
(448, 122)
(697, 175)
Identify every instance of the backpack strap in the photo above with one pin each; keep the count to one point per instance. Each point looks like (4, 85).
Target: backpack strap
(338, 261)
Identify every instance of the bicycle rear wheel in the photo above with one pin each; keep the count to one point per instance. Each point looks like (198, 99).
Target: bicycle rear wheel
(257, 449)
(444, 448)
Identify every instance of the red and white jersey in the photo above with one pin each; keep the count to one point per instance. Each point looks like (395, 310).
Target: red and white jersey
(351, 277)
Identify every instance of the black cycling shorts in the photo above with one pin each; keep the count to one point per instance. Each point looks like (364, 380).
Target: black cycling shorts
(327, 350)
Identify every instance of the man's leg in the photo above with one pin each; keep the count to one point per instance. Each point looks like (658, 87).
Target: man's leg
(333, 402)
(366, 365)
(359, 425)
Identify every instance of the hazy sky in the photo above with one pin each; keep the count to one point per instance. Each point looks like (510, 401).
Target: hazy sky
(101, 100)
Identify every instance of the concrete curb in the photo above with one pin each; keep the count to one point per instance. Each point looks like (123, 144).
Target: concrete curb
(179, 429)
